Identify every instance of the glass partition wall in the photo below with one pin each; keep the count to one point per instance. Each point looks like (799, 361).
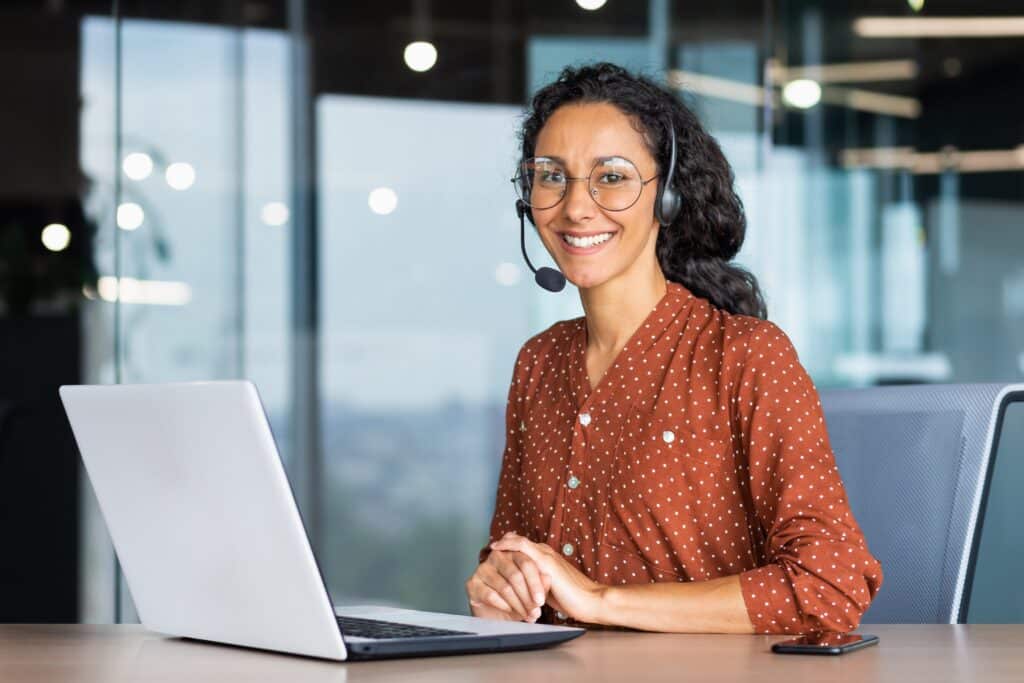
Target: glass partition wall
(264, 180)
(194, 250)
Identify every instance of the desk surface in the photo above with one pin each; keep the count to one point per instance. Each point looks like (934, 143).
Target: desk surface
(82, 653)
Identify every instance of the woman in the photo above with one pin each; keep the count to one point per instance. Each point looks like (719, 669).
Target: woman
(667, 466)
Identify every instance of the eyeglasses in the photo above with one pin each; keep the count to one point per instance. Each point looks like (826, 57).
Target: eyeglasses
(614, 182)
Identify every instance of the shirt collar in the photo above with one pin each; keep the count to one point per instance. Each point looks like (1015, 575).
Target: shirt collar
(668, 317)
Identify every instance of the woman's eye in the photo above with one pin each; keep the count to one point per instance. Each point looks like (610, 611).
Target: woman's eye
(611, 178)
(551, 177)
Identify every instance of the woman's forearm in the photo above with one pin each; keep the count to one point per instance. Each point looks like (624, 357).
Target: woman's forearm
(714, 606)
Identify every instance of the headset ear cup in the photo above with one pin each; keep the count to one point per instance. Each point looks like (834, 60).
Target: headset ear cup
(669, 202)
(668, 205)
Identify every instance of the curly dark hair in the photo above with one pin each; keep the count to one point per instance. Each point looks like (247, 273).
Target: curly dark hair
(695, 249)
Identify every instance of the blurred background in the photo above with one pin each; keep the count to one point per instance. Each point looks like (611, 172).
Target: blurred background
(315, 195)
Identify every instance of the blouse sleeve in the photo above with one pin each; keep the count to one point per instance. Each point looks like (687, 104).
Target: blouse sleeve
(508, 510)
(820, 575)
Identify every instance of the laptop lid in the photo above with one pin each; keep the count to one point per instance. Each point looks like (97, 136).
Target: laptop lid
(202, 517)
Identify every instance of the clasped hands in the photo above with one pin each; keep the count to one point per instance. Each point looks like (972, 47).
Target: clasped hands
(519, 576)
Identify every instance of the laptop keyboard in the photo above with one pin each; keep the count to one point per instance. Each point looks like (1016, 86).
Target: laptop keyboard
(374, 628)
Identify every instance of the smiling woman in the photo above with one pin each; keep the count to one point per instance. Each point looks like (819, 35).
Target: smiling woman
(666, 466)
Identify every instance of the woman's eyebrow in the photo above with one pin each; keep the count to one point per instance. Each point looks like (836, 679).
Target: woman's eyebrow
(604, 157)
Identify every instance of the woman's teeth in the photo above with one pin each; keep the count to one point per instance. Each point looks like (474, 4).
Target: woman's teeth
(583, 242)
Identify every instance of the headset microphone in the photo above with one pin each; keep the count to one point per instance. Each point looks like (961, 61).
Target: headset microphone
(548, 278)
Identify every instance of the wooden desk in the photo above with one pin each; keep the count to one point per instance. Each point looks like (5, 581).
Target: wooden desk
(81, 653)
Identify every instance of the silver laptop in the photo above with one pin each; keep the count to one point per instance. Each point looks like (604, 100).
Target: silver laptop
(210, 539)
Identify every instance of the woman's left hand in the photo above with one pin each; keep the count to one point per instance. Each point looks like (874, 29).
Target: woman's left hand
(572, 592)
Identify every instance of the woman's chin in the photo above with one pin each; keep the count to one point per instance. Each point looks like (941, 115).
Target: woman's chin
(585, 278)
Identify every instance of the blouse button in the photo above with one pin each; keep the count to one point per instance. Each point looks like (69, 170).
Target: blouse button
(560, 615)
(567, 549)
(573, 482)
(584, 419)
(668, 436)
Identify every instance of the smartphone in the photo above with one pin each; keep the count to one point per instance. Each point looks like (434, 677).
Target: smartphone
(825, 644)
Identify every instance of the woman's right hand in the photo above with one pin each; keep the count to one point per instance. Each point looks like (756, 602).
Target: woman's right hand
(507, 586)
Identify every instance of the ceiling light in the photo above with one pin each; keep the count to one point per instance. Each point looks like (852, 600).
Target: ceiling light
(275, 213)
(938, 27)
(180, 175)
(757, 96)
(383, 201)
(874, 102)
(130, 216)
(803, 93)
(137, 166)
(154, 292)
(925, 163)
(56, 237)
(420, 55)
(722, 88)
(845, 72)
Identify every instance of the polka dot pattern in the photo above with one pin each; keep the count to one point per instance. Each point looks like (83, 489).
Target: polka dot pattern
(702, 452)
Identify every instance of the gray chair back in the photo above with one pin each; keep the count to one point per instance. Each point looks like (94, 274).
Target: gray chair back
(916, 461)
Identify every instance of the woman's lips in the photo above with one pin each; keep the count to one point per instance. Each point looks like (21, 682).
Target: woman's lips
(584, 251)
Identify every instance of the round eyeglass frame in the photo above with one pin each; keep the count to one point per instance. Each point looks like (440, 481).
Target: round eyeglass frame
(517, 180)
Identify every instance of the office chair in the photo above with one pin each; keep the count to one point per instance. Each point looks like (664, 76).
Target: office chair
(917, 461)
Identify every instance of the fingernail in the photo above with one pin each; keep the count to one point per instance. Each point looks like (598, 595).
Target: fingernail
(474, 603)
(535, 614)
(538, 598)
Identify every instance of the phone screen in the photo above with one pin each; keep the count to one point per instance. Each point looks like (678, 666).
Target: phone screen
(825, 643)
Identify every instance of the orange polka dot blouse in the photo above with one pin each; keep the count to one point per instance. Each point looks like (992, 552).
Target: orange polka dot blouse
(701, 453)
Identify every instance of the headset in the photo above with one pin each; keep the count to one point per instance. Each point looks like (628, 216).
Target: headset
(670, 200)
(666, 209)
